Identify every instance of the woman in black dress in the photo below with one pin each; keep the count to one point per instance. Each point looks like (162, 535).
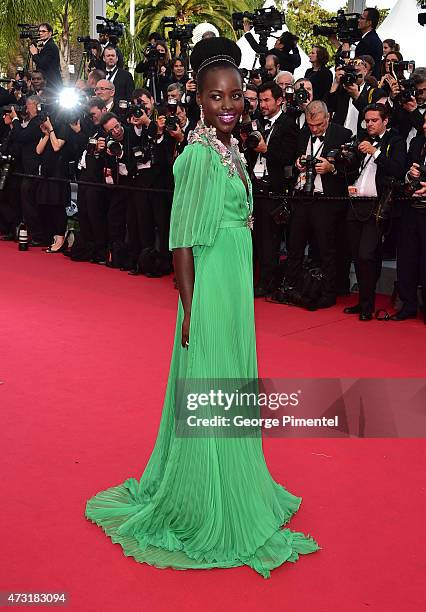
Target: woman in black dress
(54, 196)
(320, 76)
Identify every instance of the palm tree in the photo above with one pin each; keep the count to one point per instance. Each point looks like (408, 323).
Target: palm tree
(64, 15)
(149, 15)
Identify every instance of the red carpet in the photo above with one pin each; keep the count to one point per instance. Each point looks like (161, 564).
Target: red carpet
(84, 355)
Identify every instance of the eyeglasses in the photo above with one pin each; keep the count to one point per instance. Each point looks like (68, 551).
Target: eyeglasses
(115, 128)
(103, 88)
(41, 31)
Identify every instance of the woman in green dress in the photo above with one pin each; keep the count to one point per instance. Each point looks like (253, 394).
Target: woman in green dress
(205, 502)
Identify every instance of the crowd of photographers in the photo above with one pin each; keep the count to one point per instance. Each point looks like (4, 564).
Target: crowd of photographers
(337, 164)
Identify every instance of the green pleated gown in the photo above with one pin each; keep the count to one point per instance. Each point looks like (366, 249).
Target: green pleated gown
(207, 502)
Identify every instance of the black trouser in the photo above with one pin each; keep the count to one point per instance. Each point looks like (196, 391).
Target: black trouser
(411, 257)
(117, 211)
(31, 211)
(10, 205)
(267, 237)
(321, 219)
(148, 217)
(365, 237)
(92, 203)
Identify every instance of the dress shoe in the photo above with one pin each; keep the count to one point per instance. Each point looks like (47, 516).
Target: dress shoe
(365, 316)
(402, 316)
(135, 271)
(352, 309)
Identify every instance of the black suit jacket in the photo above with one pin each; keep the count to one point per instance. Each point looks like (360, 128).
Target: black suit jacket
(124, 85)
(338, 104)
(392, 161)
(47, 60)
(26, 140)
(417, 151)
(371, 45)
(336, 135)
(404, 121)
(288, 60)
(281, 151)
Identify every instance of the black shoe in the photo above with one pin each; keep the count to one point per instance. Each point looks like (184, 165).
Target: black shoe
(352, 309)
(402, 316)
(365, 316)
(135, 271)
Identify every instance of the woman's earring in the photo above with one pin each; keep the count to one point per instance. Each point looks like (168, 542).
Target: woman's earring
(201, 113)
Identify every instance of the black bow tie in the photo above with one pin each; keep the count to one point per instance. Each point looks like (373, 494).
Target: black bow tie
(315, 138)
(267, 125)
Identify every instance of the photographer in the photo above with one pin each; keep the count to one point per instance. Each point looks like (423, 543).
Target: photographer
(314, 219)
(382, 158)
(370, 43)
(285, 49)
(272, 67)
(121, 79)
(252, 97)
(26, 139)
(105, 90)
(53, 196)
(274, 152)
(156, 69)
(107, 40)
(408, 114)
(46, 58)
(148, 215)
(349, 95)
(179, 74)
(411, 260)
(92, 202)
(296, 99)
(175, 91)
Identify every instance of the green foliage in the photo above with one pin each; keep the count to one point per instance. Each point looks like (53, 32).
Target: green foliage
(301, 17)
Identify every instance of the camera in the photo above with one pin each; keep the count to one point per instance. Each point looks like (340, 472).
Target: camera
(127, 109)
(19, 110)
(344, 26)
(183, 32)
(309, 165)
(414, 184)
(5, 164)
(28, 31)
(264, 20)
(408, 90)
(17, 85)
(301, 95)
(351, 75)
(422, 16)
(91, 145)
(114, 147)
(111, 27)
(346, 156)
(172, 120)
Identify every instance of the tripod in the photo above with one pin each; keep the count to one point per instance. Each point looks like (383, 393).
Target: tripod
(81, 72)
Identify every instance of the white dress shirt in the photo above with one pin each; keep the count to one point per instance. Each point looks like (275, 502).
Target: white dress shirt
(351, 121)
(366, 182)
(260, 169)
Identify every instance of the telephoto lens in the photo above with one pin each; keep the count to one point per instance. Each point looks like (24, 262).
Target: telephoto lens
(114, 148)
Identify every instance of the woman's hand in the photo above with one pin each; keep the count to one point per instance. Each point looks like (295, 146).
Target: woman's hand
(185, 331)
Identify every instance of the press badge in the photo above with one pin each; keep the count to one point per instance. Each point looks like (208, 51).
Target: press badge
(352, 190)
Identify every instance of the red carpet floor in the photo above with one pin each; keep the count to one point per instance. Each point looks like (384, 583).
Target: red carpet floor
(84, 355)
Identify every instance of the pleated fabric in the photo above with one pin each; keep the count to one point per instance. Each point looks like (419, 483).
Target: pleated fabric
(207, 502)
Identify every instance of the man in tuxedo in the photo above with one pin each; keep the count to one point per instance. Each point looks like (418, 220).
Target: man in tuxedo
(408, 117)
(370, 43)
(47, 57)
(315, 219)
(122, 79)
(105, 90)
(347, 102)
(26, 139)
(148, 212)
(274, 155)
(383, 157)
(411, 260)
